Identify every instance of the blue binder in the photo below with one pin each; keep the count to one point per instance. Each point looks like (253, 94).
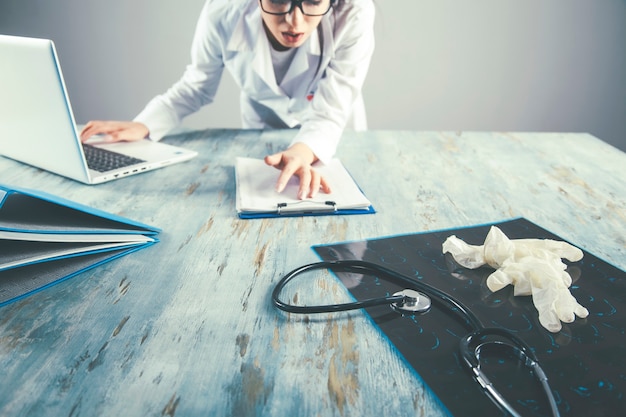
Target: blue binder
(46, 239)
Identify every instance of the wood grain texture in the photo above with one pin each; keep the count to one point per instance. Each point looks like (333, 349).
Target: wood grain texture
(186, 328)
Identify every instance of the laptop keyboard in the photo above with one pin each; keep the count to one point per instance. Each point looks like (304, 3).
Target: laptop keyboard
(103, 160)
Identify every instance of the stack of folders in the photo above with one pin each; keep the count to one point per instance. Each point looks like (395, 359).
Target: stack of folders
(45, 239)
(256, 195)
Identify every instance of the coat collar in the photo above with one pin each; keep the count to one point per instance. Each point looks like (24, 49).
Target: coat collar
(249, 36)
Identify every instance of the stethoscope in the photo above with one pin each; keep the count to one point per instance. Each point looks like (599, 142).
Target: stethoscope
(417, 299)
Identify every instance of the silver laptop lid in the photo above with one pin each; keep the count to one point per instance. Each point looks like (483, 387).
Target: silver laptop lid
(37, 126)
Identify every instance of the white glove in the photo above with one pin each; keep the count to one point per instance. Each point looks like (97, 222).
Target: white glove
(533, 266)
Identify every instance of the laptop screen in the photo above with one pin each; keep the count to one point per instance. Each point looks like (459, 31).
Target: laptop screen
(36, 122)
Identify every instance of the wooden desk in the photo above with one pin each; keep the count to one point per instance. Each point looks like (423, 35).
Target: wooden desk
(186, 327)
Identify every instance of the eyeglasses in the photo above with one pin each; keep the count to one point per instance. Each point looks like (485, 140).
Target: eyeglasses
(307, 7)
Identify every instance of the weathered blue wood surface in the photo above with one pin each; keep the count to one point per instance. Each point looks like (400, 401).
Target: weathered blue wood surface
(186, 328)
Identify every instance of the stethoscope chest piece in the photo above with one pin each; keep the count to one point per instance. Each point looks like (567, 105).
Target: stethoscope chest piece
(413, 302)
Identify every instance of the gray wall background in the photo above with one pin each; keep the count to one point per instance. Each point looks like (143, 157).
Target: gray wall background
(482, 65)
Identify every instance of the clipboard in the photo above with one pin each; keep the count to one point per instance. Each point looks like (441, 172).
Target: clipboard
(256, 197)
(45, 239)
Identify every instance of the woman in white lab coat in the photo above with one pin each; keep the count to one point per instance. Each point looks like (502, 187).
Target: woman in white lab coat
(299, 64)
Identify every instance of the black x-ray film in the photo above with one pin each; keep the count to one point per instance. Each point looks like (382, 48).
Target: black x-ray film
(585, 362)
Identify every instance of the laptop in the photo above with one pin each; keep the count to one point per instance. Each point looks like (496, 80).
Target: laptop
(37, 125)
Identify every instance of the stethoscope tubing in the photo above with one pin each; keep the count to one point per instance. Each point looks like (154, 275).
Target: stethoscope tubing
(469, 346)
(367, 268)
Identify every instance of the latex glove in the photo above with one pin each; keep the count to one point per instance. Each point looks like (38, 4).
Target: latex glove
(468, 256)
(551, 297)
(533, 266)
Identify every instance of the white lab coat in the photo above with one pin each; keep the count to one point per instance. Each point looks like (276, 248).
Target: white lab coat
(321, 90)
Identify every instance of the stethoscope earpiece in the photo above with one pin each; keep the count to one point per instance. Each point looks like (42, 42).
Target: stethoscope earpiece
(476, 344)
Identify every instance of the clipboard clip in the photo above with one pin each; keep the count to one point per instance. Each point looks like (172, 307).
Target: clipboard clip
(293, 208)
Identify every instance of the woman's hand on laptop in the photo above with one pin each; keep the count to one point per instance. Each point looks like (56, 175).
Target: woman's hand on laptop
(114, 131)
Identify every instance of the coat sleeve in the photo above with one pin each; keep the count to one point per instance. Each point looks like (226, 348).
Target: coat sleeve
(341, 84)
(198, 85)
